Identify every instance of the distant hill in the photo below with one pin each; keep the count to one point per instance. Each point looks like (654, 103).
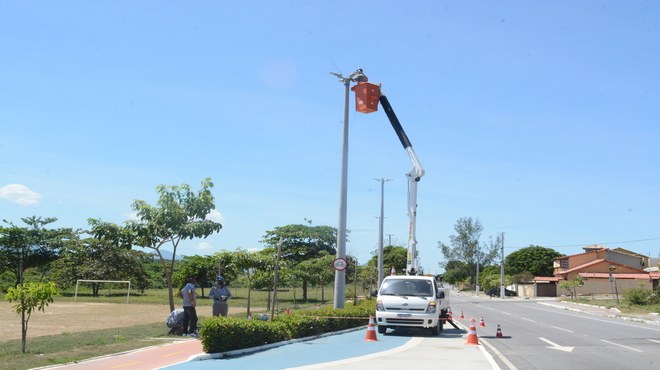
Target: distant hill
(166, 254)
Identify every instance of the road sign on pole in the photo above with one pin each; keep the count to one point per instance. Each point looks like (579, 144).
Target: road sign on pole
(340, 264)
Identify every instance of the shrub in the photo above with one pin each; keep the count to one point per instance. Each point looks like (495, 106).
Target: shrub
(641, 296)
(220, 334)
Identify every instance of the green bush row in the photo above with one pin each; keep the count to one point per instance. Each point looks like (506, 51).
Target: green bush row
(642, 297)
(221, 334)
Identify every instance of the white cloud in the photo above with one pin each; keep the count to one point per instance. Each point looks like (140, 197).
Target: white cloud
(216, 216)
(203, 246)
(131, 216)
(253, 249)
(20, 194)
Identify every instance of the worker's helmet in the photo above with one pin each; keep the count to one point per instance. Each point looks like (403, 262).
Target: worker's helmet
(220, 278)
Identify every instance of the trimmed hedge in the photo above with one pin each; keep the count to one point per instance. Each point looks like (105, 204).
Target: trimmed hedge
(221, 334)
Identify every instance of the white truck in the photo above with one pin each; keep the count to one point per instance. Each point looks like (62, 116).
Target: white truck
(411, 301)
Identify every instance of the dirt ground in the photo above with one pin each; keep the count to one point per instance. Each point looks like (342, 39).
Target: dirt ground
(76, 317)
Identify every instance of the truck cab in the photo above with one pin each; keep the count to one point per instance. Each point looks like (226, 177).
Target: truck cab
(411, 301)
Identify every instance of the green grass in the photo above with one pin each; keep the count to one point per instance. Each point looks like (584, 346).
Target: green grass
(160, 296)
(71, 347)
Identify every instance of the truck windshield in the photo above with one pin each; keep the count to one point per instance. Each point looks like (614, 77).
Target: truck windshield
(407, 287)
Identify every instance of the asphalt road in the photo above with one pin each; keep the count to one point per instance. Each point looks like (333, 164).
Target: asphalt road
(542, 337)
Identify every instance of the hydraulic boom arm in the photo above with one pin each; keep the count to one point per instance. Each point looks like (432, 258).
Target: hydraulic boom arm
(413, 178)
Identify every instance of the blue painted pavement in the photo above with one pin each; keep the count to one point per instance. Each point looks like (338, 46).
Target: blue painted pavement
(332, 348)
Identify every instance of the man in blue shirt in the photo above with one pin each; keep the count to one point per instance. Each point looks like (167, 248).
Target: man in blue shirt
(220, 294)
(189, 304)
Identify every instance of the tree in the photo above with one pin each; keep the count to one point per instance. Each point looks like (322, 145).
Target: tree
(22, 248)
(318, 271)
(250, 263)
(466, 248)
(300, 243)
(223, 261)
(456, 272)
(203, 268)
(30, 296)
(92, 259)
(572, 285)
(179, 214)
(393, 256)
(491, 277)
(533, 259)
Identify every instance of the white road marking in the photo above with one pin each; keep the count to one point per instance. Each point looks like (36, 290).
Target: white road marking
(589, 317)
(620, 345)
(557, 327)
(557, 346)
(498, 354)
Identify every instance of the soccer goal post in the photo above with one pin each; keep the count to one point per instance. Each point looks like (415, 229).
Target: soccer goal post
(102, 281)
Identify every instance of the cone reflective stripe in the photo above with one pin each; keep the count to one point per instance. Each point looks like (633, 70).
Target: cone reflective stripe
(393, 271)
(371, 331)
(472, 334)
(499, 332)
(461, 316)
(481, 322)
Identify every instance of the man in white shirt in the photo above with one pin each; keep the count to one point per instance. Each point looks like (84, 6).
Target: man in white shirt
(189, 304)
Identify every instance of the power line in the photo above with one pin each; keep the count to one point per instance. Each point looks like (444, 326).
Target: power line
(582, 245)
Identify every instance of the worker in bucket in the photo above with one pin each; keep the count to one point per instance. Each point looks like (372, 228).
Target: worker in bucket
(220, 294)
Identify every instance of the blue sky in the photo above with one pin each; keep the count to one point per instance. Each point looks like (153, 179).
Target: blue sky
(538, 118)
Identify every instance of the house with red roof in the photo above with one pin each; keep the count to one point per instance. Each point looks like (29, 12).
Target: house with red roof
(604, 271)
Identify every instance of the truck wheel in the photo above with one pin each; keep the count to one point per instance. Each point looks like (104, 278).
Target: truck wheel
(382, 329)
(436, 329)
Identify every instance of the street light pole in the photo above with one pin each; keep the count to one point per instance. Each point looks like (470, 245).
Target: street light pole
(340, 276)
(380, 229)
(502, 283)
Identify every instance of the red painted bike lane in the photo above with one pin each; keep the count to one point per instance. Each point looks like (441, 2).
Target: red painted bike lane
(145, 359)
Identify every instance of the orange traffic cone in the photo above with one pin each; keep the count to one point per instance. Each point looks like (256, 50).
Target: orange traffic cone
(499, 332)
(481, 322)
(288, 312)
(449, 315)
(461, 317)
(393, 271)
(472, 334)
(371, 331)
